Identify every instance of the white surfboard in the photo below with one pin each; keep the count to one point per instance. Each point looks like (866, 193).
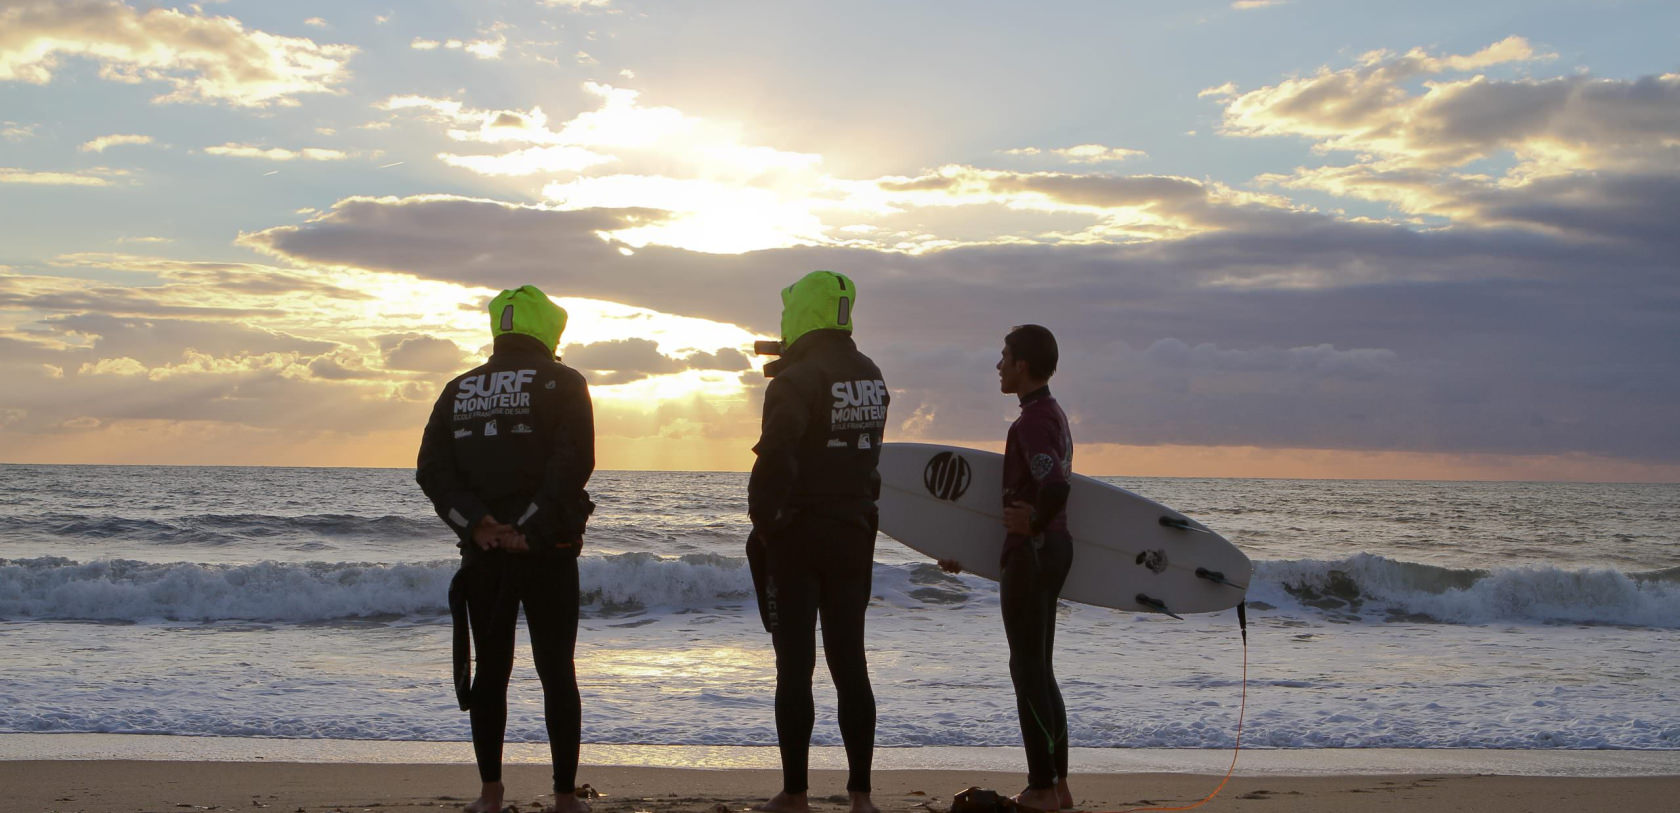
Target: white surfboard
(1129, 553)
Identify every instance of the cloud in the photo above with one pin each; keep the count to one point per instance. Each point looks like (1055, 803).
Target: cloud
(13, 131)
(1583, 158)
(1219, 92)
(101, 143)
(1096, 153)
(1268, 327)
(725, 358)
(1083, 153)
(225, 279)
(202, 58)
(626, 360)
(340, 366)
(1096, 208)
(1576, 121)
(233, 150)
(159, 341)
(1250, 5)
(421, 354)
(98, 176)
(487, 49)
(506, 258)
(275, 390)
(721, 193)
(547, 160)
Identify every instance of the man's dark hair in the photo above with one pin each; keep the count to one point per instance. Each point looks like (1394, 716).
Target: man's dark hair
(1035, 345)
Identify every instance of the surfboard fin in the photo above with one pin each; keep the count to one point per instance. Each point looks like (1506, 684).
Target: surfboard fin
(1216, 577)
(1157, 605)
(1182, 524)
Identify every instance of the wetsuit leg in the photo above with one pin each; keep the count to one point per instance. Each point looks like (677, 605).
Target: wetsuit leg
(846, 579)
(549, 589)
(493, 608)
(1061, 556)
(1032, 580)
(795, 591)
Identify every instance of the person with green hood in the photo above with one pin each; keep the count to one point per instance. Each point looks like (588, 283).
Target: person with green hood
(505, 457)
(812, 499)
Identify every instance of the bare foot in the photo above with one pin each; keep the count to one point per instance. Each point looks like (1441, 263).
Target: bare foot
(489, 800)
(1044, 799)
(1064, 797)
(568, 803)
(861, 803)
(785, 802)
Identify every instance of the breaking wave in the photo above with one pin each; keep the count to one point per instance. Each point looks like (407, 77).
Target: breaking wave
(222, 529)
(1366, 586)
(1359, 588)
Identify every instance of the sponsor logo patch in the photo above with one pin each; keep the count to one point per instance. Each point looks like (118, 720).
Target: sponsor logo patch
(504, 389)
(521, 429)
(863, 441)
(1041, 465)
(947, 476)
(860, 404)
(836, 443)
(463, 433)
(489, 429)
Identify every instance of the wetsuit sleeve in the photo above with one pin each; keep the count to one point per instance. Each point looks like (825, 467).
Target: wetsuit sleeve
(561, 507)
(1045, 449)
(441, 479)
(786, 414)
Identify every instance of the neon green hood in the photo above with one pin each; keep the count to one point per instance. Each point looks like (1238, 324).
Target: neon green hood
(528, 311)
(821, 300)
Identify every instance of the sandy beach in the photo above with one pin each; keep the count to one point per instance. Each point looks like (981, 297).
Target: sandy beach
(65, 786)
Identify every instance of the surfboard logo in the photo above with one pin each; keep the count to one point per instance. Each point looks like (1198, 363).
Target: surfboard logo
(947, 476)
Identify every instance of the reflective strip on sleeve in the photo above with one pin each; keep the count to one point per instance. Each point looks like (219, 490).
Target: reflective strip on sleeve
(527, 514)
(455, 517)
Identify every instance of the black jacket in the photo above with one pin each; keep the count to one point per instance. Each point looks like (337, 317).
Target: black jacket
(824, 416)
(513, 438)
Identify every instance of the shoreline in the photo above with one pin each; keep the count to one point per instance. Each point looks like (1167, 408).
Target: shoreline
(1252, 762)
(122, 786)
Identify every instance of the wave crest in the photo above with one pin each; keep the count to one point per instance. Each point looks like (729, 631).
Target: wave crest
(1366, 585)
(1359, 588)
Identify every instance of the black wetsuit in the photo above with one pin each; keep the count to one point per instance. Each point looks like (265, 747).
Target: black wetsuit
(812, 502)
(1038, 460)
(515, 439)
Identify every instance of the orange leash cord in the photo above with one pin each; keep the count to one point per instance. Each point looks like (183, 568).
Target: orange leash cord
(1242, 619)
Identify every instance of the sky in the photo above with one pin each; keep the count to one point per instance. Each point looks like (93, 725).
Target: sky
(1274, 238)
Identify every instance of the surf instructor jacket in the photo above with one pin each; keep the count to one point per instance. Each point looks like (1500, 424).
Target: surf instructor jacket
(515, 439)
(825, 412)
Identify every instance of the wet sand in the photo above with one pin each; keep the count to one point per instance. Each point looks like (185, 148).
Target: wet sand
(127, 786)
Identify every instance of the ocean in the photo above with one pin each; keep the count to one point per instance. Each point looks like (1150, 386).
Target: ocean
(292, 604)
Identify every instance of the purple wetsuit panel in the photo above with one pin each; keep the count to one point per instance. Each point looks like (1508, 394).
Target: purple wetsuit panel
(1039, 452)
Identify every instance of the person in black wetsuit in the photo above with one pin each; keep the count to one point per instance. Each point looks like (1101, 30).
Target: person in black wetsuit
(1037, 553)
(504, 460)
(811, 499)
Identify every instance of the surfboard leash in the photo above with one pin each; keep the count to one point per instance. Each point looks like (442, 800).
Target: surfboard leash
(1242, 622)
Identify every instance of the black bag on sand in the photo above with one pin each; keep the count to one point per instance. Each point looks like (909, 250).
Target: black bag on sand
(976, 800)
